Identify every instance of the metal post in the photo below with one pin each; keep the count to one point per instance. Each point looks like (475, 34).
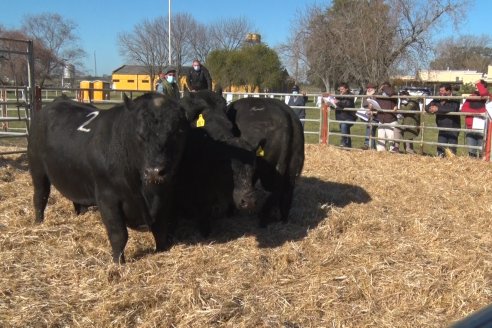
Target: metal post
(169, 30)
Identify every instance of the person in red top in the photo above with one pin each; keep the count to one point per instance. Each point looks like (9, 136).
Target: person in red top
(475, 106)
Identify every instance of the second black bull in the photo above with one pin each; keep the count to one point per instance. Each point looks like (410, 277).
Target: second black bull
(274, 126)
(216, 172)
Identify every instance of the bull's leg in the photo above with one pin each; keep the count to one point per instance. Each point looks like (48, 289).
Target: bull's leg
(42, 187)
(285, 201)
(112, 218)
(79, 208)
(265, 214)
(161, 230)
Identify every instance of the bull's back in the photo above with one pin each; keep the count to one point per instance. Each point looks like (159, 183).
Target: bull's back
(265, 121)
(61, 147)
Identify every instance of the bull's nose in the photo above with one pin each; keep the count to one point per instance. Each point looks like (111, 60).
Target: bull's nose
(247, 204)
(154, 174)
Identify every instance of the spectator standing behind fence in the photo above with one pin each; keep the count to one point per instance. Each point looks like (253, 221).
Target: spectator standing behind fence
(342, 115)
(167, 84)
(387, 120)
(370, 128)
(411, 121)
(475, 106)
(441, 108)
(296, 100)
(198, 77)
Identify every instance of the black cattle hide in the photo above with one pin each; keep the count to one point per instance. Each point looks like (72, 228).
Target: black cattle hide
(217, 169)
(124, 160)
(280, 159)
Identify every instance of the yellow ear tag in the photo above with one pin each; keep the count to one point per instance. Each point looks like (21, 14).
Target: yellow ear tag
(200, 123)
(260, 152)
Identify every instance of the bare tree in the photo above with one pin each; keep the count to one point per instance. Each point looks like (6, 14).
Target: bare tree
(181, 32)
(229, 34)
(58, 40)
(465, 52)
(293, 52)
(199, 40)
(146, 45)
(363, 41)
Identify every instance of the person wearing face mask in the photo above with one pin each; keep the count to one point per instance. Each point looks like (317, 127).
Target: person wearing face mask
(167, 84)
(198, 77)
(296, 100)
(410, 120)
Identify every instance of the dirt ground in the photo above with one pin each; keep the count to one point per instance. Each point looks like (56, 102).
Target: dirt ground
(374, 240)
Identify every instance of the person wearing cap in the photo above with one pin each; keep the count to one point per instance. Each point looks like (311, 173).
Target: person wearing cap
(296, 100)
(167, 84)
(371, 127)
(198, 78)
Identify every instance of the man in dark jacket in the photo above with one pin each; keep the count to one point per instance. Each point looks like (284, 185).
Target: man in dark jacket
(298, 101)
(342, 115)
(198, 77)
(441, 108)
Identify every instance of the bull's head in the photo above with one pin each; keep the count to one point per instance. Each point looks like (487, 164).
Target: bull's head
(160, 136)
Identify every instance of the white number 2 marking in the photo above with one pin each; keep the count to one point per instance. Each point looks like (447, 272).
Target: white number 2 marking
(83, 126)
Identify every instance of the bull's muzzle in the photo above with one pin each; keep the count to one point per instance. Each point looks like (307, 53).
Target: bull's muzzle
(245, 201)
(154, 175)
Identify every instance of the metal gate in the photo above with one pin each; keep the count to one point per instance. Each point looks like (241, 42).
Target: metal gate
(16, 101)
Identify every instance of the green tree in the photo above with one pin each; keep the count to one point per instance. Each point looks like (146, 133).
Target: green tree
(256, 66)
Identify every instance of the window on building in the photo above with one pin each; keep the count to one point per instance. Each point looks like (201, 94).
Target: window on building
(145, 81)
(131, 81)
(116, 80)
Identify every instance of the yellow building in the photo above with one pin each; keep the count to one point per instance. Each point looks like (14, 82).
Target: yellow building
(136, 78)
(131, 77)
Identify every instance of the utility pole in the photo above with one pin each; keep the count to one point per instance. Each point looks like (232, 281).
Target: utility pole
(95, 67)
(169, 30)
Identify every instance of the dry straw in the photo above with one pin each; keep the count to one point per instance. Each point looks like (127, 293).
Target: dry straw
(374, 240)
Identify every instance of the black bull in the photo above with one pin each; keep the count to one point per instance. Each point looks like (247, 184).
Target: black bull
(217, 170)
(113, 159)
(278, 130)
(139, 161)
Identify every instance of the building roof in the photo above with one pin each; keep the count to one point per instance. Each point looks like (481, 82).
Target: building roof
(131, 69)
(142, 70)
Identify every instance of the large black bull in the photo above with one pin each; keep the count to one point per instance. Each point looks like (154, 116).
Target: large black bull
(273, 125)
(124, 160)
(217, 170)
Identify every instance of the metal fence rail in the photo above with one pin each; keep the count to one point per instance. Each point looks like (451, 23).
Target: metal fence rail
(320, 125)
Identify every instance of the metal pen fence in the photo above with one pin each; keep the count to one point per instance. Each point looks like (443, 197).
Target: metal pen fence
(427, 129)
(320, 126)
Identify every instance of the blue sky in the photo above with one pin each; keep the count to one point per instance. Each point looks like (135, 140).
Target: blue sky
(100, 21)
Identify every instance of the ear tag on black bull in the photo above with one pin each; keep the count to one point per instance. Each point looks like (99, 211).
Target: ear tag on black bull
(200, 122)
(260, 152)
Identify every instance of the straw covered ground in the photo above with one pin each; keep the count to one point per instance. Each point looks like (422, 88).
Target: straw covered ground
(374, 240)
